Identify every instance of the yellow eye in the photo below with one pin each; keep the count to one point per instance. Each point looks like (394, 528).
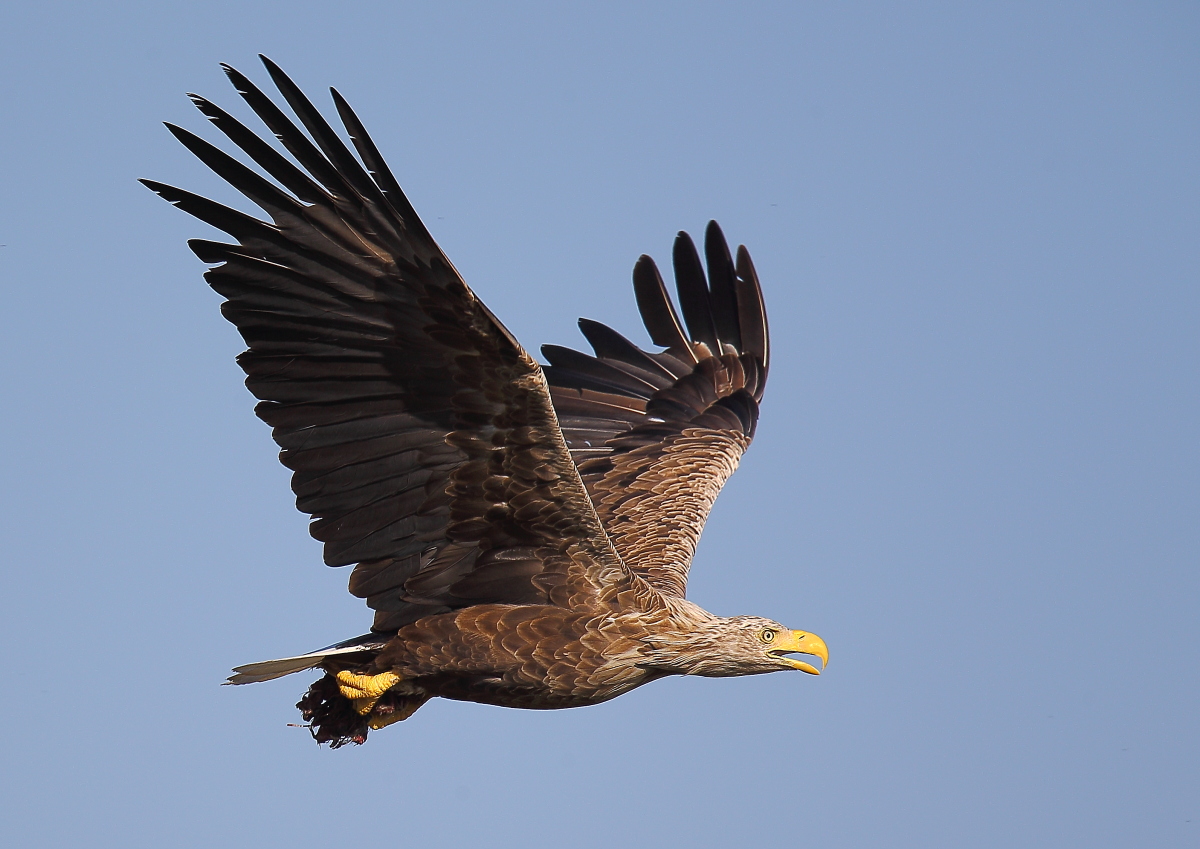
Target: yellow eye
(767, 635)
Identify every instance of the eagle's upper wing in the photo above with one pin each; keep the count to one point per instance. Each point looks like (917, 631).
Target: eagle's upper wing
(656, 435)
(421, 434)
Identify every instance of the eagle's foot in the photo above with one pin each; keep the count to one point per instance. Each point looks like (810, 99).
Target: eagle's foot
(364, 690)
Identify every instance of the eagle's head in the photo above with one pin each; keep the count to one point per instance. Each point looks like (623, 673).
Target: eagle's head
(739, 645)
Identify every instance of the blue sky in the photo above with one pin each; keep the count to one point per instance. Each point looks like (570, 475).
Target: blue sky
(975, 474)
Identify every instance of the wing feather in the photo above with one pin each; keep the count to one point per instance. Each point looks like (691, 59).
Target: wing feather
(653, 464)
(658, 313)
(422, 437)
(693, 292)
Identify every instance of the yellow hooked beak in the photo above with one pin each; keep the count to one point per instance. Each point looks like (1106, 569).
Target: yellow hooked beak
(804, 643)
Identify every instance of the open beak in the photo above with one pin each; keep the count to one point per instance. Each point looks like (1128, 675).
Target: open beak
(800, 642)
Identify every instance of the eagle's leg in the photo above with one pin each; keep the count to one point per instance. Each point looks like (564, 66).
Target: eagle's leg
(365, 690)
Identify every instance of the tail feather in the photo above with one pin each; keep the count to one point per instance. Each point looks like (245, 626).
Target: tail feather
(266, 670)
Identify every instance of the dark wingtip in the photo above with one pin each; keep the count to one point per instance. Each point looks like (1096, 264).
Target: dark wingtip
(241, 83)
(752, 310)
(160, 189)
(274, 70)
(282, 81)
(207, 108)
(722, 286)
(691, 284)
(654, 305)
(171, 194)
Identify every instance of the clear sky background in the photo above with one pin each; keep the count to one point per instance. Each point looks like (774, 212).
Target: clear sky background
(976, 474)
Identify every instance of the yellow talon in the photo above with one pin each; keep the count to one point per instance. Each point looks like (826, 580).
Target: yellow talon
(354, 686)
(365, 690)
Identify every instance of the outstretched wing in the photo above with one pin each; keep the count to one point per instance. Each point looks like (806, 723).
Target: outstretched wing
(421, 435)
(656, 435)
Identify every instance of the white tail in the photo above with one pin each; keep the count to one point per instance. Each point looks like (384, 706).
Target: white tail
(265, 670)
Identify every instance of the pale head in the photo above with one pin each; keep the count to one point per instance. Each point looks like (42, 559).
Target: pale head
(738, 645)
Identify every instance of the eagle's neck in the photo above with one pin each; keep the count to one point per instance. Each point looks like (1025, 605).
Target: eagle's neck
(688, 641)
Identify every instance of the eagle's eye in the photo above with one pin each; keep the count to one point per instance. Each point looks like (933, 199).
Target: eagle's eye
(767, 635)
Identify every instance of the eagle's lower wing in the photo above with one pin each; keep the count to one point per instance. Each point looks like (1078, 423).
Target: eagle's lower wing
(421, 435)
(656, 435)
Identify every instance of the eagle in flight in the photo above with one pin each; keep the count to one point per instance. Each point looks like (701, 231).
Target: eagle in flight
(523, 532)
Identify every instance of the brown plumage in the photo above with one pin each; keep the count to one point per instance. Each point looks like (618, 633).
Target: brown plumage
(523, 533)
